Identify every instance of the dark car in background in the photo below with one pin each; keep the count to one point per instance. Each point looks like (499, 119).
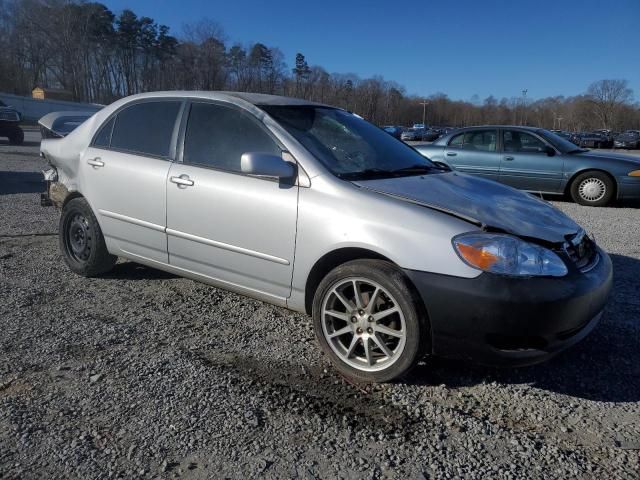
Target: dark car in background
(10, 124)
(536, 160)
(593, 140)
(393, 130)
(432, 134)
(412, 134)
(629, 140)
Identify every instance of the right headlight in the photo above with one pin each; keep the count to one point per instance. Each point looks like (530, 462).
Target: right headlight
(507, 255)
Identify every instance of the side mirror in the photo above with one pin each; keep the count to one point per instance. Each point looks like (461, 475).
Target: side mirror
(550, 151)
(442, 166)
(266, 165)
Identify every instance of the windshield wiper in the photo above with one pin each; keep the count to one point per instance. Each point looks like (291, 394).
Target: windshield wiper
(417, 168)
(578, 150)
(380, 172)
(366, 173)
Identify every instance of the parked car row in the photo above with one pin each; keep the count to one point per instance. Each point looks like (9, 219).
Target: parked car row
(417, 133)
(630, 139)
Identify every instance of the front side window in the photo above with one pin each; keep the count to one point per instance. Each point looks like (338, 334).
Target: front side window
(145, 128)
(217, 136)
(522, 142)
(350, 147)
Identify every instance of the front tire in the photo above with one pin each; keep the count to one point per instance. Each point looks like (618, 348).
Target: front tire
(595, 189)
(81, 240)
(369, 321)
(16, 137)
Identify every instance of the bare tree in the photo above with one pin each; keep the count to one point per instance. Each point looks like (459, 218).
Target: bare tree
(607, 97)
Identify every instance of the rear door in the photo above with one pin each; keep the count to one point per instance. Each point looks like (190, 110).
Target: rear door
(234, 228)
(527, 164)
(475, 152)
(124, 177)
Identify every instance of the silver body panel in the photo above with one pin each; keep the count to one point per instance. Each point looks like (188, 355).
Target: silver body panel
(260, 237)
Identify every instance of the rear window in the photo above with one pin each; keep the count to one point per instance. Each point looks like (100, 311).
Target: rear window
(146, 128)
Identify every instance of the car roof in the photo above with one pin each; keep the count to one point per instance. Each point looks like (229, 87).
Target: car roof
(252, 98)
(519, 127)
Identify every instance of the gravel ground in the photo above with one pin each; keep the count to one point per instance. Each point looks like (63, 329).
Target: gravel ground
(143, 374)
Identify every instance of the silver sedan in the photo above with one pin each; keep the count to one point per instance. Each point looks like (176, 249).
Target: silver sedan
(312, 208)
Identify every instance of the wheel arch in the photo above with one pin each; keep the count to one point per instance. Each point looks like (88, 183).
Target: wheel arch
(567, 188)
(337, 257)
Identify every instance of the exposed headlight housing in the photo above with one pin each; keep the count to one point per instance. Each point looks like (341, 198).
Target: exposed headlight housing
(507, 255)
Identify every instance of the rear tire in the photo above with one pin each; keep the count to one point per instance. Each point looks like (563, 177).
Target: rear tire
(384, 336)
(16, 137)
(81, 240)
(595, 189)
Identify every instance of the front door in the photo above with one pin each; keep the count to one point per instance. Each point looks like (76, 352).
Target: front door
(125, 172)
(527, 165)
(233, 228)
(475, 152)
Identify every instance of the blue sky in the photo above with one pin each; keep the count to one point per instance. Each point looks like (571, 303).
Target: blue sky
(462, 48)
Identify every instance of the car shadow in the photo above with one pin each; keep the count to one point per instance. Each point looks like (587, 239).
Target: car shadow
(21, 182)
(134, 271)
(26, 143)
(603, 367)
(614, 204)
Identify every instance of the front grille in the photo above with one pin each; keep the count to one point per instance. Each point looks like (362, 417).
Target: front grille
(581, 250)
(10, 116)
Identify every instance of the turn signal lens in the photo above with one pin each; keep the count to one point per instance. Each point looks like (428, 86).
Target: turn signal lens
(507, 255)
(479, 257)
(635, 173)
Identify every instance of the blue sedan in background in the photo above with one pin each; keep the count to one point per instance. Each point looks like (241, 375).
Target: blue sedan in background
(536, 160)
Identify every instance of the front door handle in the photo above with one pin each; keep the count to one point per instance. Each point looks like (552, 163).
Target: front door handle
(182, 181)
(451, 154)
(508, 158)
(95, 162)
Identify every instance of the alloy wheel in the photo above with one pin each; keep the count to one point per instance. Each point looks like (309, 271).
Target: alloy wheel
(363, 324)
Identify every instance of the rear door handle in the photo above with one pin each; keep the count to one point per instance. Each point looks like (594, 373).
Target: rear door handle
(451, 154)
(182, 181)
(508, 158)
(95, 162)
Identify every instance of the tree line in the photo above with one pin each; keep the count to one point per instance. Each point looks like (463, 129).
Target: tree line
(99, 56)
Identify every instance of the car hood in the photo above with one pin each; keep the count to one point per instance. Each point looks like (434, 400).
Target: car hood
(483, 202)
(607, 156)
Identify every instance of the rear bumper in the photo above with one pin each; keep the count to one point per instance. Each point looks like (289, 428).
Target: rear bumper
(498, 320)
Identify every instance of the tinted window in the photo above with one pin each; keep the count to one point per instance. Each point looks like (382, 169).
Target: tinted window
(457, 141)
(103, 139)
(515, 141)
(217, 136)
(146, 128)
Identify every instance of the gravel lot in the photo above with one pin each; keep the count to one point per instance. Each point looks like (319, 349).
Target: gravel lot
(143, 374)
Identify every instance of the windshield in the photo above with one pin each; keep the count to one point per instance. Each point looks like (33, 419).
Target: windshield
(565, 146)
(351, 148)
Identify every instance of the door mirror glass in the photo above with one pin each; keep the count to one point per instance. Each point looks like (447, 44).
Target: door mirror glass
(266, 165)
